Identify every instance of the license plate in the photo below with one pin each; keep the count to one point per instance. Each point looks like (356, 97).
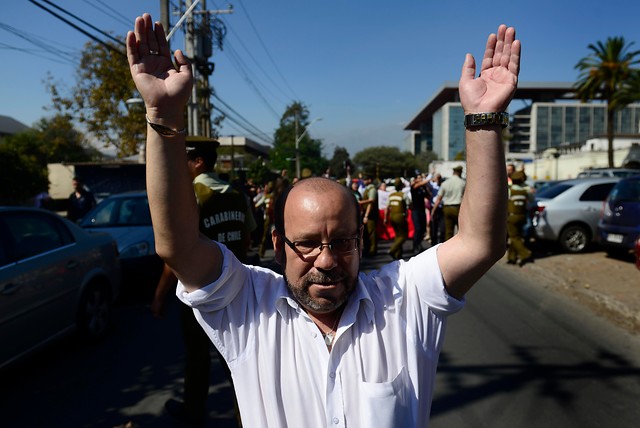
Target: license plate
(613, 237)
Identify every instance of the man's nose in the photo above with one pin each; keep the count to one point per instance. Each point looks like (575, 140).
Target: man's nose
(327, 259)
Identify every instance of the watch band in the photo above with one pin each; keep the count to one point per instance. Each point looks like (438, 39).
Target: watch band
(165, 131)
(480, 119)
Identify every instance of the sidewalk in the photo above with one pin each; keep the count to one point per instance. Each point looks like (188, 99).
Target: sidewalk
(609, 287)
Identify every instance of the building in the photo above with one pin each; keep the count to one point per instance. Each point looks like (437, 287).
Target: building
(10, 126)
(240, 152)
(544, 116)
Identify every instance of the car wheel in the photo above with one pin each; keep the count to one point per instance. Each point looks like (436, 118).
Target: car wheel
(94, 312)
(574, 239)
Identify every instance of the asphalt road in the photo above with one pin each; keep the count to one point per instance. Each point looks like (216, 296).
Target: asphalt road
(516, 356)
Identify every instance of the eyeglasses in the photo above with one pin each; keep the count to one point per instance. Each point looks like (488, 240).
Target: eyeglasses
(311, 248)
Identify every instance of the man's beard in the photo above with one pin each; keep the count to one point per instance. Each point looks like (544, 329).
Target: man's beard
(328, 304)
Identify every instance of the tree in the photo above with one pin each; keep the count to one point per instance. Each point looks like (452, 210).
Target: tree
(424, 159)
(604, 75)
(385, 162)
(339, 163)
(103, 84)
(293, 124)
(24, 156)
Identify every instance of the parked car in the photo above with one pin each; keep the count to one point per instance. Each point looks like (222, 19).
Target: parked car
(619, 226)
(568, 212)
(608, 172)
(539, 185)
(55, 278)
(126, 217)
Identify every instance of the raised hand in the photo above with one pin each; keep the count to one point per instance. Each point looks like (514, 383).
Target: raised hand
(493, 89)
(164, 88)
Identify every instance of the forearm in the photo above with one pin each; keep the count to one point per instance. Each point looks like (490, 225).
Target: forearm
(171, 197)
(482, 219)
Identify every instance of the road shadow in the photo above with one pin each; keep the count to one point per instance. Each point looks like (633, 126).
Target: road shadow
(551, 381)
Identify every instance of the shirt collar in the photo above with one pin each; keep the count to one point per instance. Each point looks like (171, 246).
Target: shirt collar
(360, 300)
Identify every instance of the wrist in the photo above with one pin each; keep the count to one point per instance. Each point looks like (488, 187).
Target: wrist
(486, 120)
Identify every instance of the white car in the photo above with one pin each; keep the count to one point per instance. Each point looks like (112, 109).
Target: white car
(568, 212)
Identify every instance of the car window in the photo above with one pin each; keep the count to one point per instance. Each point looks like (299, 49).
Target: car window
(554, 190)
(597, 192)
(134, 211)
(34, 233)
(104, 214)
(626, 191)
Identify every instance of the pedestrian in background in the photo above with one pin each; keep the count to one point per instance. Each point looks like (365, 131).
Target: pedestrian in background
(419, 195)
(436, 225)
(520, 198)
(224, 216)
(450, 193)
(369, 204)
(80, 201)
(396, 214)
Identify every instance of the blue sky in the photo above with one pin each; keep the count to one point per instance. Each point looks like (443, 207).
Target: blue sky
(365, 67)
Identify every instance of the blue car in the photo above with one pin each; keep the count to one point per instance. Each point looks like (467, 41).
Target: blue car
(619, 225)
(126, 217)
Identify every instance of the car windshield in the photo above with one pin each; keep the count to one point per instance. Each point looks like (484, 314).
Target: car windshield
(120, 212)
(553, 191)
(628, 190)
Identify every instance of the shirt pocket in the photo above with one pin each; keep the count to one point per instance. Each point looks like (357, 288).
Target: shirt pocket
(385, 404)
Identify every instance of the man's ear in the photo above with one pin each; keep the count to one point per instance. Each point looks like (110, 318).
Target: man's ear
(278, 247)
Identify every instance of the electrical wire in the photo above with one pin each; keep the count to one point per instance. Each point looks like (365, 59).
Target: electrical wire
(66, 12)
(248, 125)
(110, 12)
(275, 65)
(91, 36)
(45, 50)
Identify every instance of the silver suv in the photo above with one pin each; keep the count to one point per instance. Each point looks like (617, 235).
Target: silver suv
(608, 172)
(568, 212)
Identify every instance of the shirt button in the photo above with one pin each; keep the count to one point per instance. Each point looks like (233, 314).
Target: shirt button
(314, 335)
(332, 375)
(336, 421)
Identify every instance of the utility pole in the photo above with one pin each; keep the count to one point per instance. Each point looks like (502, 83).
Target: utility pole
(198, 48)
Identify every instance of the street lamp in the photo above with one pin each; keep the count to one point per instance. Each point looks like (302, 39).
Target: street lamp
(298, 139)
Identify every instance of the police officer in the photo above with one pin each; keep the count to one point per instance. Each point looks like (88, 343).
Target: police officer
(519, 199)
(396, 213)
(226, 217)
(369, 204)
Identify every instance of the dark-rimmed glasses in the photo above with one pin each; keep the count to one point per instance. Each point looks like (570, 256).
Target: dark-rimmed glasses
(311, 248)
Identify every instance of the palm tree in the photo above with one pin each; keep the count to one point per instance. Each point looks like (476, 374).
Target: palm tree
(605, 75)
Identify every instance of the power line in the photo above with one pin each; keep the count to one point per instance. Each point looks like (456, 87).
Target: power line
(266, 50)
(66, 12)
(60, 56)
(248, 124)
(256, 62)
(92, 37)
(240, 127)
(114, 13)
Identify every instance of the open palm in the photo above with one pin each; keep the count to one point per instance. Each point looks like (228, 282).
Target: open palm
(160, 84)
(494, 88)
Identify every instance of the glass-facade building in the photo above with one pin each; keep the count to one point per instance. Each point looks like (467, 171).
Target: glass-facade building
(555, 124)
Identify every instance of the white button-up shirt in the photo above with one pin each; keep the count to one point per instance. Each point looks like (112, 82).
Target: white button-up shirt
(380, 371)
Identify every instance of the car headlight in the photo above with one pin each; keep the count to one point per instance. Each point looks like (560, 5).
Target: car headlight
(139, 249)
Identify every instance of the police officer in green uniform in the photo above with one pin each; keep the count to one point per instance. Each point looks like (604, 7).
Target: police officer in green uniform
(519, 199)
(369, 204)
(396, 213)
(226, 217)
